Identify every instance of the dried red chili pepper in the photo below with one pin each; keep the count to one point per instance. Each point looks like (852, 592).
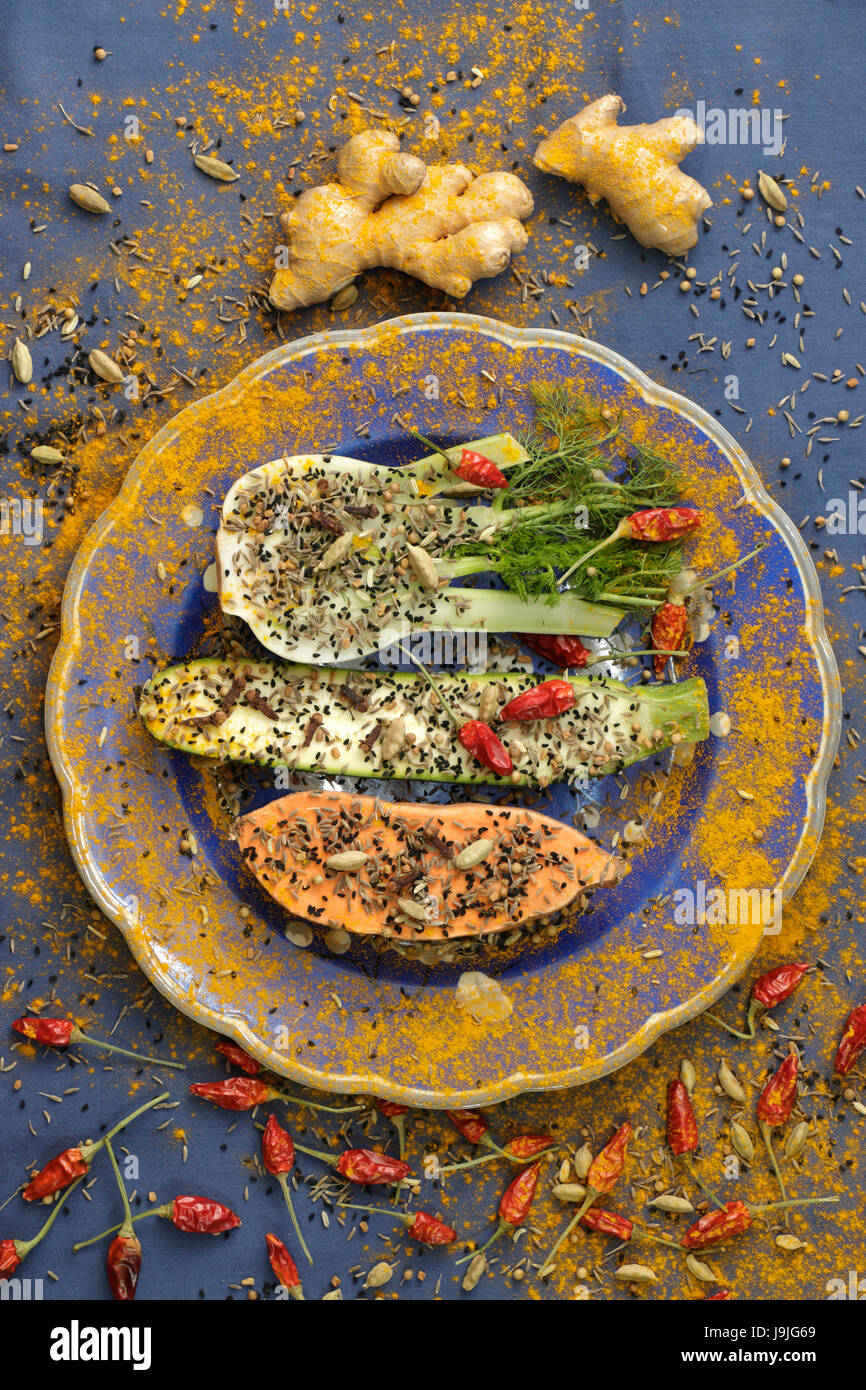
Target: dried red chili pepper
(560, 650)
(608, 1223)
(668, 632)
(278, 1156)
(123, 1261)
(775, 1104)
(238, 1057)
(778, 984)
(733, 1219)
(777, 1099)
(10, 1258)
(544, 701)
(682, 1130)
(197, 1215)
(48, 1032)
(852, 1042)
(483, 472)
(656, 524)
(278, 1151)
(525, 1146)
(514, 1206)
(660, 523)
(391, 1108)
(520, 1149)
(395, 1113)
(606, 1168)
(604, 1173)
(429, 1230)
(714, 1297)
(770, 989)
(75, 1162)
(246, 1092)
(470, 1123)
(364, 1166)
(62, 1032)
(235, 1093)
(12, 1252)
(284, 1267)
(57, 1173)
(516, 1200)
(479, 739)
(123, 1266)
(682, 1127)
(194, 1215)
(421, 1226)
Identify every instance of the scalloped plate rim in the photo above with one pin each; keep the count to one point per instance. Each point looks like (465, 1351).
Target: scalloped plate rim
(516, 1082)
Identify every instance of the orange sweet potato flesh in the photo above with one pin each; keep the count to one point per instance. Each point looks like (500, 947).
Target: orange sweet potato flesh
(535, 867)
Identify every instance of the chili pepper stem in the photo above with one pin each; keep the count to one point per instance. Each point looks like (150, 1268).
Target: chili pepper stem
(434, 448)
(657, 1240)
(318, 1153)
(792, 1202)
(500, 1230)
(282, 1179)
(142, 1215)
(80, 1037)
(126, 1225)
(588, 1200)
(627, 600)
(720, 574)
(622, 529)
(314, 1104)
(25, 1246)
(469, 1163)
(378, 1211)
(489, 1158)
(434, 686)
(767, 1136)
(616, 655)
(121, 1124)
(398, 1122)
(735, 1033)
(700, 1182)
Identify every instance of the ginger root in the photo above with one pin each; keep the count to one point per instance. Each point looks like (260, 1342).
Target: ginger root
(441, 224)
(634, 168)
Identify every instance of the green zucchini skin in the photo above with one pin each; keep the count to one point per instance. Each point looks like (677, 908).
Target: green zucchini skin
(596, 737)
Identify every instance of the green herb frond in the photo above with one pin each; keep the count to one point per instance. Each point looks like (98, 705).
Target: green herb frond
(530, 558)
(571, 444)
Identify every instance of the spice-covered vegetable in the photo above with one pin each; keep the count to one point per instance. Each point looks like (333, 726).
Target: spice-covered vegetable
(314, 726)
(319, 566)
(421, 872)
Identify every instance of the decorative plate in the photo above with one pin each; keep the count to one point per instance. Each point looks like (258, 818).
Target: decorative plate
(731, 833)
